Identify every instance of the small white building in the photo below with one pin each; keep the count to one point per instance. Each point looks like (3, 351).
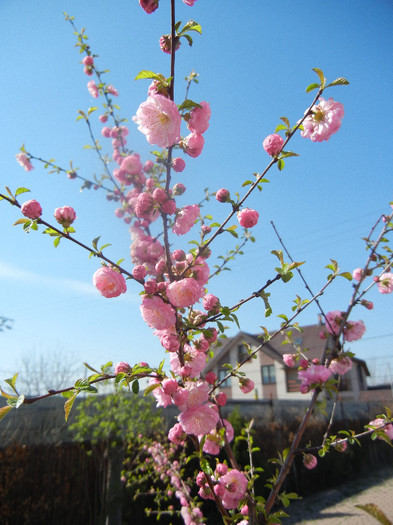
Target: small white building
(272, 378)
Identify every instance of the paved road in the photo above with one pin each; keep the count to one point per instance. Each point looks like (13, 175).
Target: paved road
(337, 506)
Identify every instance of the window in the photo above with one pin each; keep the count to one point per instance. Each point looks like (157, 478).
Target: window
(222, 372)
(242, 353)
(268, 375)
(293, 383)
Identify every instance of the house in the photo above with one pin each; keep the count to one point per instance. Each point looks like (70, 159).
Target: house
(272, 378)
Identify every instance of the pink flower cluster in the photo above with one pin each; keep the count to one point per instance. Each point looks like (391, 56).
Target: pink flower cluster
(324, 120)
(385, 283)
(229, 485)
(353, 330)
(387, 428)
(313, 376)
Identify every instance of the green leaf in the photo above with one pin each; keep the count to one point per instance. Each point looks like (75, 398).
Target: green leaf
(311, 87)
(22, 221)
(205, 466)
(286, 121)
(280, 164)
(346, 275)
(135, 386)
(193, 26)
(341, 81)
(189, 39)
(280, 127)
(19, 191)
(321, 76)
(375, 512)
(16, 402)
(285, 154)
(4, 411)
(11, 381)
(279, 255)
(264, 296)
(232, 232)
(68, 405)
(56, 242)
(189, 104)
(150, 75)
(149, 388)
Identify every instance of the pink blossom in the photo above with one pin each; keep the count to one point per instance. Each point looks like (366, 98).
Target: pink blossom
(178, 164)
(88, 61)
(166, 44)
(24, 161)
(31, 209)
(211, 302)
(122, 368)
(195, 362)
(235, 483)
(199, 420)
(214, 440)
(131, 164)
(169, 386)
(109, 282)
(246, 385)
(221, 399)
(223, 195)
(189, 2)
(193, 144)
(139, 272)
(178, 189)
(93, 89)
(309, 461)
(340, 366)
(65, 216)
(324, 120)
(184, 293)
(169, 207)
(313, 375)
(357, 274)
(168, 340)
(106, 132)
(199, 118)
(341, 446)
(354, 330)
(385, 283)
(113, 91)
(247, 217)
(148, 166)
(159, 119)
(185, 219)
(273, 144)
(289, 360)
(368, 304)
(176, 434)
(149, 5)
(156, 313)
(379, 422)
(211, 378)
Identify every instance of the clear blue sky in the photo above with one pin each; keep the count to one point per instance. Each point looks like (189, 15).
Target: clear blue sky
(254, 64)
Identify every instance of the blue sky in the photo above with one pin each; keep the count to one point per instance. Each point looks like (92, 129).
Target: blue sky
(254, 65)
